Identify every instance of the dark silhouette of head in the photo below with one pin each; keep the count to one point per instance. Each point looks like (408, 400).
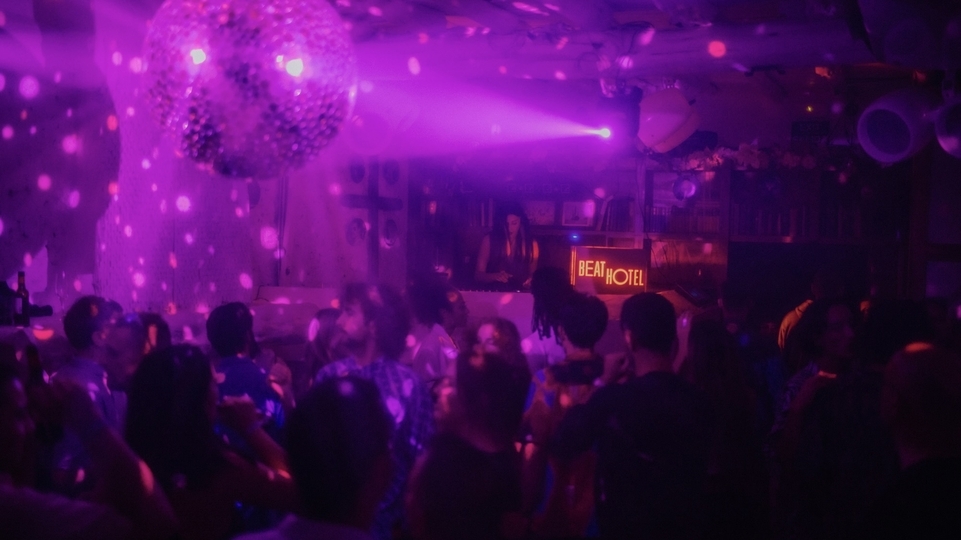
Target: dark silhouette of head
(427, 295)
(170, 417)
(125, 345)
(324, 340)
(375, 312)
(889, 326)
(825, 333)
(712, 363)
(85, 322)
(551, 288)
(583, 320)
(230, 329)
(338, 442)
(456, 317)
(650, 319)
(491, 391)
(921, 402)
(158, 331)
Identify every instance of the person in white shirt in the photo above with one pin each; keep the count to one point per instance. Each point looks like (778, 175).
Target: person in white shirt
(551, 288)
(431, 353)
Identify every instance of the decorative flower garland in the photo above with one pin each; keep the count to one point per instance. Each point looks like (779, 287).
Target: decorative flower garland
(744, 157)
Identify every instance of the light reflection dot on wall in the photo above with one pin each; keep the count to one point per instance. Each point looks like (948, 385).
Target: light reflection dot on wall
(33, 130)
(7, 132)
(173, 259)
(128, 231)
(268, 238)
(717, 49)
(189, 238)
(1, 227)
(138, 279)
(247, 283)
(153, 187)
(145, 163)
(295, 67)
(73, 200)
(163, 206)
(239, 211)
(77, 285)
(29, 87)
(413, 65)
(211, 250)
(136, 64)
(71, 143)
(112, 122)
(183, 203)
(130, 111)
(27, 259)
(116, 58)
(113, 188)
(44, 182)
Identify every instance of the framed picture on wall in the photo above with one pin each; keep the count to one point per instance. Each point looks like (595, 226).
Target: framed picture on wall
(543, 213)
(578, 213)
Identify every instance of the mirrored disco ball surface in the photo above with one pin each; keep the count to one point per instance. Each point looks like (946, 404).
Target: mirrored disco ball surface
(250, 88)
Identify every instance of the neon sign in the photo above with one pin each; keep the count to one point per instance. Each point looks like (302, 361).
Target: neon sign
(601, 270)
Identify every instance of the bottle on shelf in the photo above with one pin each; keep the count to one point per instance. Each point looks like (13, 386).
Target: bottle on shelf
(22, 315)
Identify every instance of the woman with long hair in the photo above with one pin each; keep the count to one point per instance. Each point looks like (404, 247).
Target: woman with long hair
(508, 255)
(172, 412)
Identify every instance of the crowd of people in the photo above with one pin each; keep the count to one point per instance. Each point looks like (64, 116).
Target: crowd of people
(402, 421)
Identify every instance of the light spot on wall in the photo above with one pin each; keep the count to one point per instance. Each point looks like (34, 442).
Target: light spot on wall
(413, 65)
(189, 238)
(29, 87)
(44, 182)
(172, 259)
(245, 281)
(73, 200)
(70, 144)
(138, 279)
(128, 231)
(183, 203)
(268, 237)
(145, 163)
(717, 49)
(7, 132)
(116, 58)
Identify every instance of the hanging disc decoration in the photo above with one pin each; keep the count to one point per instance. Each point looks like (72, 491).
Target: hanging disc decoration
(250, 88)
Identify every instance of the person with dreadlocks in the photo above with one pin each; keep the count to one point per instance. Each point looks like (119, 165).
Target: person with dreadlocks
(551, 289)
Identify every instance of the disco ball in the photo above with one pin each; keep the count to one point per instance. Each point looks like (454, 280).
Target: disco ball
(250, 88)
